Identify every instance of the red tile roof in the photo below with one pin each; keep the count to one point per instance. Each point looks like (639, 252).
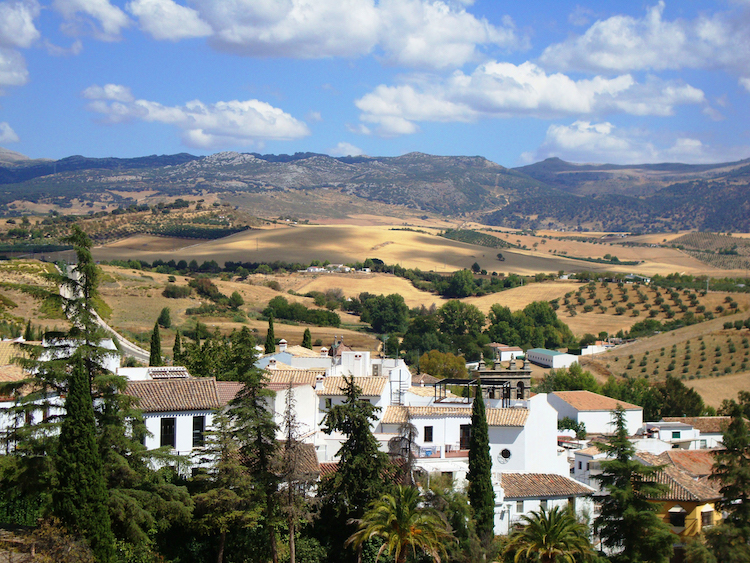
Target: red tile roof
(588, 401)
(227, 390)
(706, 424)
(541, 485)
(683, 487)
(495, 417)
(171, 395)
(372, 386)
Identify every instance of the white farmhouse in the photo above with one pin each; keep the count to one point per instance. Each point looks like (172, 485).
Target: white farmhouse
(711, 428)
(595, 411)
(550, 358)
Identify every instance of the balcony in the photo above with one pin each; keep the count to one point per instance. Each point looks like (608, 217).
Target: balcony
(442, 451)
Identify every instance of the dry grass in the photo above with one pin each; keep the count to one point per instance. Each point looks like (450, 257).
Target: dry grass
(715, 390)
(346, 243)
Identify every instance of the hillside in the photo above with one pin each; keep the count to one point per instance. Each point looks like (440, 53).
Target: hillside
(552, 194)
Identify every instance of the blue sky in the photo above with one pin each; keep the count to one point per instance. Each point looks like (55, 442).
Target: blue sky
(516, 82)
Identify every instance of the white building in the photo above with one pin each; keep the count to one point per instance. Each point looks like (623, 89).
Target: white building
(595, 411)
(711, 428)
(550, 358)
(677, 434)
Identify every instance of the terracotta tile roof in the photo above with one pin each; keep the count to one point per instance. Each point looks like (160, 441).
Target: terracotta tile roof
(706, 424)
(683, 487)
(227, 390)
(11, 372)
(169, 395)
(591, 450)
(541, 485)
(328, 468)
(423, 378)
(696, 463)
(495, 417)
(428, 391)
(588, 401)
(277, 365)
(372, 386)
(296, 376)
(301, 351)
(307, 458)
(10, 349)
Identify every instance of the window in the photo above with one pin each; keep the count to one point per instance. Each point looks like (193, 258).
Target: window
(676, 435)
(677, 516)
(428, 433)
(329, 403)
(580, 465)
(199, 426)
(704, 444)
(543, 504)
(519, 506)
(464, 436)
(707, 518)
(167, 432)
(572, 503)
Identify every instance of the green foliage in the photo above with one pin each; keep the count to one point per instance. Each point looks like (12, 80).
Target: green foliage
(172, 291)
(270, 346)
(307, 339)
(474, 237)
(385, 313)
(443, 364)
(236, 300)
(460, 285)
(280, 308)
(568, 379)
(679, 400)
(80, 496)
(154, 358)
(628, 522)
(550, 535)
(362, 469)
(404, 526)
(165, 318)
(481, 494)
(536, 326)
(568, 423)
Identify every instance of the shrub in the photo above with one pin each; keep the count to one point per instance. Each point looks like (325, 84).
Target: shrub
(172, 291)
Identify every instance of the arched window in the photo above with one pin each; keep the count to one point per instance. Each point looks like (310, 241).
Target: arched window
(520, 389)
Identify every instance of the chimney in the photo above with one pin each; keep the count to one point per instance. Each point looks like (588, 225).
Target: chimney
(324, 352)
(282, 345)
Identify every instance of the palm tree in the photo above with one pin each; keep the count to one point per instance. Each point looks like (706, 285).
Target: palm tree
(550, 537)
(403, 525)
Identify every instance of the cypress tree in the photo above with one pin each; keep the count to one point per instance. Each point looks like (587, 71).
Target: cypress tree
(80, 496)
(177, 349)
(29, 332)
(155, 356)
(270, 338)
(307, 339)
(481, 494)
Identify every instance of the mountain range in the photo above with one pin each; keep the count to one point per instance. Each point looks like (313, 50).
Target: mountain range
(548, 194)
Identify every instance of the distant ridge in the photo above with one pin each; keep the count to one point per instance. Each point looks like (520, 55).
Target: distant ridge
(552, 194)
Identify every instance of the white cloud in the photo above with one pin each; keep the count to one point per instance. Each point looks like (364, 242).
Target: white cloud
(56, 51)
(112, 92)
(17, 27)
(497, 89)
(345, 149)
(7, 135)
(98, 17)
(417, 33)
(222, 124)
(580, 15)
(624, 43)
(165, 19)
(745, 83)
(584, 141)
(12, 68)
(434, 34)
(314, 116)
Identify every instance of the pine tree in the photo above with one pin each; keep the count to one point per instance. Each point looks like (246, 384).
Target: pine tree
(177, 349)
(80, 495)
(628, 523)
(255, 429)
(270, 338)
(481, 494)
(360, 476)
(154, 358)
(307, 339)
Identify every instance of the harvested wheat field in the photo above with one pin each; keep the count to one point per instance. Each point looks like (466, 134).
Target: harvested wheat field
(347, 244)
(715, 390)
(518, 297)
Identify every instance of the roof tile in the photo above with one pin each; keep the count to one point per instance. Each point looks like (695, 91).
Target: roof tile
(372, 386)
(588, 401)
(541, 485)
(495, 417)
(170, 395)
